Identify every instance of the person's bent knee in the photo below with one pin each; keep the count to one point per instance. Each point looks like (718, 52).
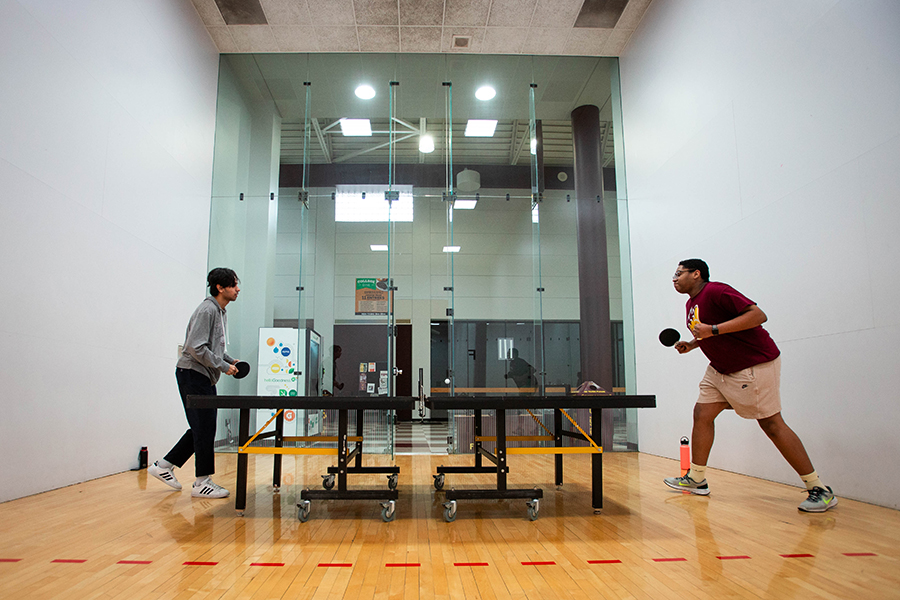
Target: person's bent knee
(772, 425)
(705, 411)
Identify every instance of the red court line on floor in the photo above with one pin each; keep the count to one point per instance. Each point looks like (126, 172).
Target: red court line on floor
(68, 560)
(335, 564)
(604, 562)
(669, 559)
(860, 554)
(732, 557)
(10, 559)
(134, 562)
(470, 564)
(266, 564)
(796, 556)
(539, 563)
(403, 564)
(194, 563)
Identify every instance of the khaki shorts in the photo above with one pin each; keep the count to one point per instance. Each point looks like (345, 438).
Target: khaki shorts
(753, 393)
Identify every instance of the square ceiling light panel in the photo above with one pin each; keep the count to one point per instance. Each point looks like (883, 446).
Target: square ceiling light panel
(481, 127)
(356, 127)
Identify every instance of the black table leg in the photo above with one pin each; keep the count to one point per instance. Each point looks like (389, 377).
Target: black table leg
(596, 463)
(557, 432)
(477, 426)
(342, 449)
(501, 449)
(279, 443)
(359, 432)
(240, 494)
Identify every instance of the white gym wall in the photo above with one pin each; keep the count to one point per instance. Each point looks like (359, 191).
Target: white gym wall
(764, 137)
(106, 149)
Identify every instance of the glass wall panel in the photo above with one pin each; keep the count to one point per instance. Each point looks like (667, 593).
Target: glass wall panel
(393, 241)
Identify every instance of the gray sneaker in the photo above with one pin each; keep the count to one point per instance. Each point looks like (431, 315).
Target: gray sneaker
(819, 500)
(686, 484)
(165, 475)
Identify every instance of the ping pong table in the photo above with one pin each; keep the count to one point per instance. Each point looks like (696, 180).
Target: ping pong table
(500, 405)
(348, 461)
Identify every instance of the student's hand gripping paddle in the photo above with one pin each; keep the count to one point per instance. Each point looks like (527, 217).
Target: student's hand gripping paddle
(669, 337)
(243, 369)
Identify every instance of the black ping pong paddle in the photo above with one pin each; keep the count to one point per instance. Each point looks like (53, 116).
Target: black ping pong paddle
(243, 369)
(669, 337)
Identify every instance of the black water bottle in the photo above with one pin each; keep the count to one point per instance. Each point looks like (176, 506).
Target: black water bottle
(142, 458)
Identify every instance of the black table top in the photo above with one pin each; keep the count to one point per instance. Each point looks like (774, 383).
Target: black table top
(514, 402)
(303, 402)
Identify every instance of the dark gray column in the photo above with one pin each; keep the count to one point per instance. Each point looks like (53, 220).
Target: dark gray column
(593, 272)
(539, 152)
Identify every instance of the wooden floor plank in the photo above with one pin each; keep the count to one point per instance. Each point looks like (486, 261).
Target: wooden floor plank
(127, 517)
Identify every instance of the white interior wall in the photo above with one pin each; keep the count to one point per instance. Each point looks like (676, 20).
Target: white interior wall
(106, 147)
(764, 137)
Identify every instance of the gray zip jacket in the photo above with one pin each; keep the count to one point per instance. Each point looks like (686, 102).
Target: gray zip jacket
(204, 342)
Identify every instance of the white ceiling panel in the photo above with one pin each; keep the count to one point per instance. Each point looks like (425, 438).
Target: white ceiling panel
(471, 13)
(420, 39)
(379, 39)
(511, 13)
(489, 23)
(422, 12)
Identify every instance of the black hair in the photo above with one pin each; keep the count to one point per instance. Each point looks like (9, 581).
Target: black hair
(221, 276)
(695, 264)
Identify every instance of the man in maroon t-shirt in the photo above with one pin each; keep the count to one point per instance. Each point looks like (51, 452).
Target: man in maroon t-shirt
(744, 374)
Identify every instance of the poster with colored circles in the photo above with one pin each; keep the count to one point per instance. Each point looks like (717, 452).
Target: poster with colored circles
(277, 372)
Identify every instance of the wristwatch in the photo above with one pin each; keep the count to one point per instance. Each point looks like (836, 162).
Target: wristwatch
(715, 330)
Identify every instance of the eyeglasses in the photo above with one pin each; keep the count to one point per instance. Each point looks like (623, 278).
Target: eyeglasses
(682, 272)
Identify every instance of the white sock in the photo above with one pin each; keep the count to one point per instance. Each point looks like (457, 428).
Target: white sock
(200, 480)
(812, 480)
(697, 472)
(164, 463)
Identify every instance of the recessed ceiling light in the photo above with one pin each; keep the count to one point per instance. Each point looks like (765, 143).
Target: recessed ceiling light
(365, 92)
(451, 248)
(481, 127)
(426, 144)
(464, 204)
(378, 247)
(485, 92)
(356, 127)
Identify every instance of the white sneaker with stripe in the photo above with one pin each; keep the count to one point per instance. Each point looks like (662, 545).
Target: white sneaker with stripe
(208, 489)
(167, 476)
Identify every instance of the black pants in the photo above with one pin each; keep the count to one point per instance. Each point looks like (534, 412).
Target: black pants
(200, 438)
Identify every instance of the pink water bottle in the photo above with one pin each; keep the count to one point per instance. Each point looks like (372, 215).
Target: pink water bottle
(685, 456)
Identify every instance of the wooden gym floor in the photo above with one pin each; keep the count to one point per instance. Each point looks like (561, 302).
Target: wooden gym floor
(126, 537)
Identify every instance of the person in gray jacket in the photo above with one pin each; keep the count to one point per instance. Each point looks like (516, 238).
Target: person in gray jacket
(202, 361)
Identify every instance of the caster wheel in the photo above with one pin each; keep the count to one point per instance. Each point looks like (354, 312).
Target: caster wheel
(438, 481)
(533, 508)
(392, 481)
(388, 511)
(327, 481)
(450, 511)
(303, 511)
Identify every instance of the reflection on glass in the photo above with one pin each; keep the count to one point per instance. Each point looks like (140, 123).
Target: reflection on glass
(474, 279)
